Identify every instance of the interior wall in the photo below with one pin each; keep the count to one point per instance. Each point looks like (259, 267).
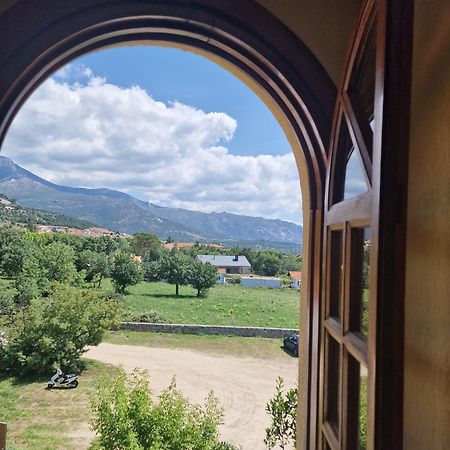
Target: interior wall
(336, 19)
(325, 26)
(427, 328)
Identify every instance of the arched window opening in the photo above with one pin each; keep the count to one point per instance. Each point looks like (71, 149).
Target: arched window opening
(111, 160)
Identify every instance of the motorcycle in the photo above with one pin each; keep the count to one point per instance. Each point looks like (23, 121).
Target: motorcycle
(62, 380)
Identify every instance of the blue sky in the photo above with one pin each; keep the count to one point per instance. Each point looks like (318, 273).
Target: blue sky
(164, 125)
(170, 74)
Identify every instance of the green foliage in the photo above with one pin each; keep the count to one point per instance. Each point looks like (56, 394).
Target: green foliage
(96, 266)
(233, 279)
(282, 409)
(104, 244)
(363, 413)
(290, 262)
(267, 262)
(57, 260)
(14, 248)
(7, 305)
(146, 317)
(126, 417)
(17, 215)
(174, 268)
(55, 331)
(144, 243)
(202, 276)
(126, 271)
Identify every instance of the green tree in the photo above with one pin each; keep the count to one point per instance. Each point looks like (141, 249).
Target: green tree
(202, 276)
(268, 262)
(174, 268)
(76, 242)
(31, 282)
(126, 271)
(56, 330)
(289, 262)
(282, 409)
(57, 260)
(96, 265)
(126, 417)
(104, 244)
(144, 243)
(14, 249)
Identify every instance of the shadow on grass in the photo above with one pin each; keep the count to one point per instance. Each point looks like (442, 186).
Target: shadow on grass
(172, 296)
(288, 352)
(17, 380)
(23, 380)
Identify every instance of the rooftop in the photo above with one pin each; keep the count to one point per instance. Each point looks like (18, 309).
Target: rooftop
(225, 261)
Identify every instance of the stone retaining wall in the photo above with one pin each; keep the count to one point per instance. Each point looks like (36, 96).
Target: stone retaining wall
(209, 329)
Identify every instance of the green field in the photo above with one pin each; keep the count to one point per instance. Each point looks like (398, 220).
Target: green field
(224, 305)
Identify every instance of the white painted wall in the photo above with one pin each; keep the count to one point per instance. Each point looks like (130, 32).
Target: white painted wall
(274, 283)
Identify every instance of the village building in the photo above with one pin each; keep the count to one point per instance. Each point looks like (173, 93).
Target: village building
(296, 278)
(237, 264)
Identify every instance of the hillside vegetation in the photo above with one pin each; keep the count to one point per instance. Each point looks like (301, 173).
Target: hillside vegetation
(12, 213)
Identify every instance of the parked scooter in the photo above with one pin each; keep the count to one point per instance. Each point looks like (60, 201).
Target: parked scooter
(62, 380)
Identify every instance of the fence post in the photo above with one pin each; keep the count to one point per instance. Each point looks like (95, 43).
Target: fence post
(2, 436)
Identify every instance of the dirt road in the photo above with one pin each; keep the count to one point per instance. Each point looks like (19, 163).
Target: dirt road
(243, 385)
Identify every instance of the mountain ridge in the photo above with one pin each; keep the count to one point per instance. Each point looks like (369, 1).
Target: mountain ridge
(121, 212)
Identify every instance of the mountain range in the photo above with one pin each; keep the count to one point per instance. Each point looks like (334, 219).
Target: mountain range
(121, 212)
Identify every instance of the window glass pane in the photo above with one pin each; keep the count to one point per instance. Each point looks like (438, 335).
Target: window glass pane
(348, 173)
(336, 269)
(355, 180)
(356, 419)
(359, 280)
(362, 82)
(332, 412)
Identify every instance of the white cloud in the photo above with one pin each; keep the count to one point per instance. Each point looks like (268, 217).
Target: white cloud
(79, 130)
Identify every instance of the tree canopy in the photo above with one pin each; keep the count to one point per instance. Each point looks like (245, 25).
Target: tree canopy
(202, 276)
(126, 271)
(174, 268)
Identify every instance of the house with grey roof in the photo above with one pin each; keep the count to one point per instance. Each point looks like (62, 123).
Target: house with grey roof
(237, 264)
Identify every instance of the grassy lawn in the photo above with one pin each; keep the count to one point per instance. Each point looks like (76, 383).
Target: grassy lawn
(228, 345)
(39, 419)
(224, 305)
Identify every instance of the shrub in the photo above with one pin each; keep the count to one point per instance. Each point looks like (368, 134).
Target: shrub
(233, 279)
(54, 331)
(146, 317)
(125, 417)
(282, 409)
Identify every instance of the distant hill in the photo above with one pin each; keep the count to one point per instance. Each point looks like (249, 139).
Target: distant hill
(13, 214)
(121, 212)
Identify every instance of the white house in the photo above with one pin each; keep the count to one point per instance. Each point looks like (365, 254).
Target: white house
(228, 264)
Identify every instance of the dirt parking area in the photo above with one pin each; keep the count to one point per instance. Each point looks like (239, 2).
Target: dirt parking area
(242, 384)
